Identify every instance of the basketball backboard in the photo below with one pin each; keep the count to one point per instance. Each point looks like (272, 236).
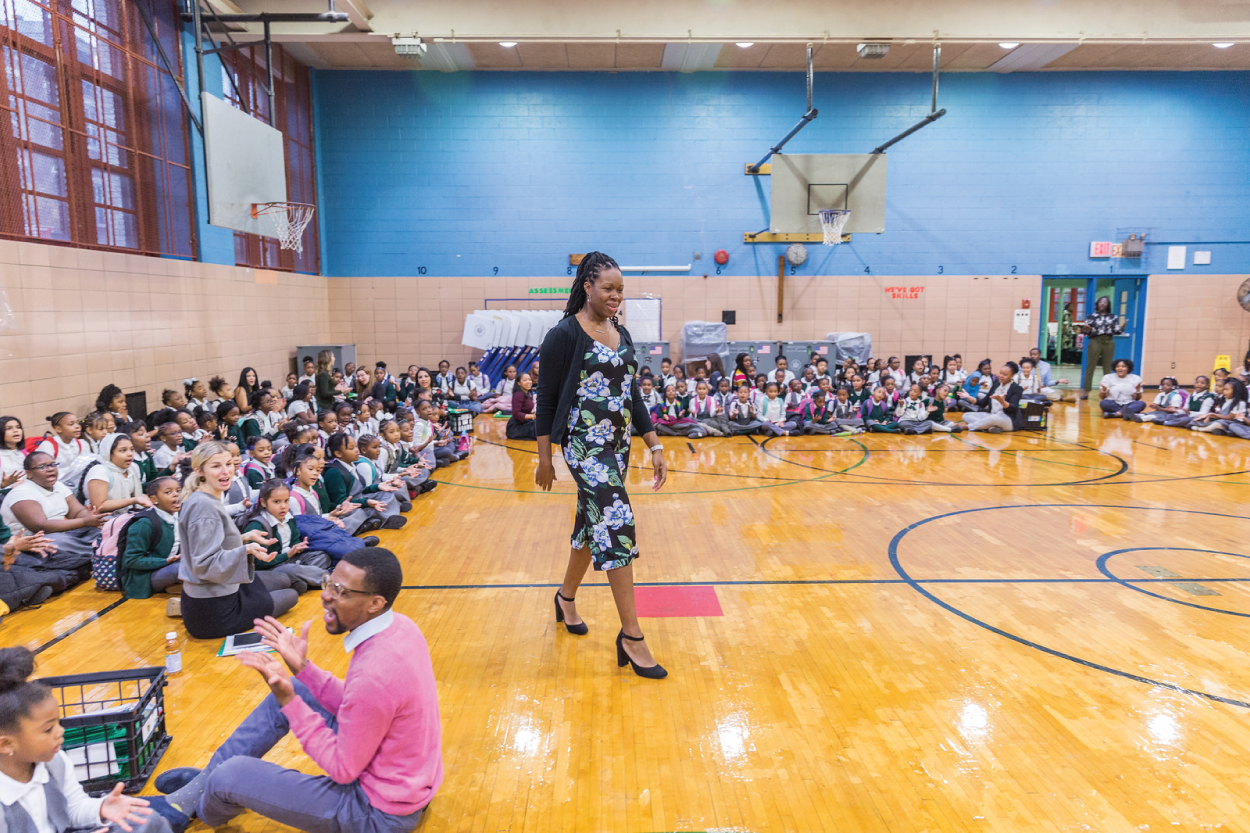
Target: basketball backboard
(803, 184)
(246, 164)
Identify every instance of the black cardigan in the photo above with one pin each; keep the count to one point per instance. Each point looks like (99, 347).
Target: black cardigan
(562, 358)
(1012, 408)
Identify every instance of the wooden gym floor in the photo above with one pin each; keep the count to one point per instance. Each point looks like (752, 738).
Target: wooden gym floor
(975, 632)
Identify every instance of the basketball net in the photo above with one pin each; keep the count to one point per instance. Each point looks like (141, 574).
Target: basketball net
(832, 221)
(286, 221)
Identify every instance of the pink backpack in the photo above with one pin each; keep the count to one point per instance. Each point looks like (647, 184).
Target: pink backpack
(110, 547)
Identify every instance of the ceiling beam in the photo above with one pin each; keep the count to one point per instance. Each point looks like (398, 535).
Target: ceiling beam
(447, 57)
(1031, 56)
(358, 13)
(690, 57)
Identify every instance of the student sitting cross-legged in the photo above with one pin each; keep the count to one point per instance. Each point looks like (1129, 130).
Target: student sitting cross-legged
(1198, 405)
(292, 558)
(376, 734)
(999, 410)
(343, 482)
(149, 560)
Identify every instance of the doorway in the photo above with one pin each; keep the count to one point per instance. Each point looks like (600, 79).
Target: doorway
(1067, 300)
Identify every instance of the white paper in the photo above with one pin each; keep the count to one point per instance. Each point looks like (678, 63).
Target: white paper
(1022, 320)
(1176, 257)
(642, 316)
(1202, 258)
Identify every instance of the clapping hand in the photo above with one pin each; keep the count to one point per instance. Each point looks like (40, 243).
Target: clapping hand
(123, 809)
(298, 548)
(273, 673)
(293, 649)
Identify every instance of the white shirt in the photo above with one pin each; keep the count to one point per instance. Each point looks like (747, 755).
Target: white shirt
(788, 379)
(1031, 383)
(1120, 390)
(170, 518)
(772, 410)
(310, 498)
(460, 390)
(297, 407)
(281, 529)
(1169, 400)
(54, 503)
(84, 811)
(11, 460)
(371, 628)
(505, 387)
(65, 453)
(163, 456)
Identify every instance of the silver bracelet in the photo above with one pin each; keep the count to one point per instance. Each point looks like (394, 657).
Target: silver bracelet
(657, 448)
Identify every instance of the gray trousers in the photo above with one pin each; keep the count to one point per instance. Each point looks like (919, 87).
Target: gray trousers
(984, 422)
(774, 428)
(239, 780)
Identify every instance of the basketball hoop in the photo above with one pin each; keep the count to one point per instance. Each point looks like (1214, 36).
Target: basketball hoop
(287, 220)
(832, 221)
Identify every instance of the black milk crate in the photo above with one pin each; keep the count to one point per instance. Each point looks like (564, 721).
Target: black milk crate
(461, 421)
(1034, 415)
(114, 725)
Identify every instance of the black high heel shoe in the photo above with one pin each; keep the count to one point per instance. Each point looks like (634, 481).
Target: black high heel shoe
(651, 672)
(576, 630)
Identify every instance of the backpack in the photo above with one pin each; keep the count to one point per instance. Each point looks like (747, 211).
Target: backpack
(106, 566)
(80, 491)
(33, 442)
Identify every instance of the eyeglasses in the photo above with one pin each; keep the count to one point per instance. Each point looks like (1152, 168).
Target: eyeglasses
(337, 590)
(44, 467)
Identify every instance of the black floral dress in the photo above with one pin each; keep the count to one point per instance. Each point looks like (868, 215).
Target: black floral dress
(597, 452)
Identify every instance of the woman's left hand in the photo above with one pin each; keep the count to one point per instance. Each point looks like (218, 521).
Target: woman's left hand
(660, 469)
(258, 536)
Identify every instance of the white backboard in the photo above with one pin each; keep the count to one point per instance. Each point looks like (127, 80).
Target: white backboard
(246, 164)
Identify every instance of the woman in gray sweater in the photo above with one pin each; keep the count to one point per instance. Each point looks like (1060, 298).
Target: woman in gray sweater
(221, 593)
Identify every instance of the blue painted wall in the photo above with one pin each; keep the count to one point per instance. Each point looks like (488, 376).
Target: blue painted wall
(464, 173)
(216, 244)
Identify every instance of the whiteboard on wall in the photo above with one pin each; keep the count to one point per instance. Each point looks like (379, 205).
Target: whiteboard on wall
(642, 316)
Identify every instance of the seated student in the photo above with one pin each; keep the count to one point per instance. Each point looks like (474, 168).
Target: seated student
(429, 437)
(173, 399)
(463, 392)
(42, 504)
(221, 594)
(795, 396)
(196, 394)
(1043, 370)
(479, 378)
(411, 452)
(111, 400)
(820, 369)
(650, 396)
(501, 396)
(221, 389)
(65, 445)
(1121, 390)
(288, 387)
(677, 374)
(299, 567)
(521, 425)
(327, 424)
(444, 377)
(37, 778)
(21, 586)
(757, 393)
(237, 497)
(1030, 383)
(265, 420)
(259, 465)
(12, 449)
(779, 379)
(919, 368)
(189, 427)
(309, 368)
(309, 495)
(742, 374)
(808, 380)
(1227, 417)
(206, 420)
(999, 410)
(301, 402)
(783, 364)
(843, 409)
(114, 483)
(724, 395)
(1169, 402)
(342, 482)
(684, 393)
(859, 392)
(393, 463)
(741, 414)
(377, 734)
(672, 419)
(141, 440)
(816, 415)
(699, 375)
(878, 414)
(771, 413)
(943, 402)
(95, 427)
(912, 414)
(149, 559)
(228, 416)
(370, 474)
(703, 409)
(170, 452)
(1198, 405)
(951, 375)
(384, 388)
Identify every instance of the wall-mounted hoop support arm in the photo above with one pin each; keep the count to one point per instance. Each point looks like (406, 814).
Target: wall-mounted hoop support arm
(803, 122)
(934, 113)
(173, 76)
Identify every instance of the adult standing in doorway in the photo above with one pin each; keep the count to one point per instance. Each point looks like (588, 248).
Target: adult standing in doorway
(1100, 329)
(587, 401)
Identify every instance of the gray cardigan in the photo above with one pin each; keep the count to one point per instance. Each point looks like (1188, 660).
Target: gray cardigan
(215, 560)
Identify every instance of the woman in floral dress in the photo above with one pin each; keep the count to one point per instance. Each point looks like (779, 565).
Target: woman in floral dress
(587, 401)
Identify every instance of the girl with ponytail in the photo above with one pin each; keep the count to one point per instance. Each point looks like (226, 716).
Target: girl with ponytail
(588, 402)
(33, 765)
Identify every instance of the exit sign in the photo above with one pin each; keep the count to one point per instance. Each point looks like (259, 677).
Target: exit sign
(1100, 249)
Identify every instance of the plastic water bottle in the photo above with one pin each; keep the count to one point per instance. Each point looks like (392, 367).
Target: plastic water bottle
(173, 653)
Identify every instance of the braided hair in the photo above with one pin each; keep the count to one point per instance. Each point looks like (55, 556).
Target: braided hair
(587, 271)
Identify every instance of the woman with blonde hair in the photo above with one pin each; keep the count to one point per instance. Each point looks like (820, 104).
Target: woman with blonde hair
(221, 593)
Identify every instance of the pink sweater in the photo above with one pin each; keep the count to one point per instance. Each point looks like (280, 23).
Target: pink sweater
(389, 735)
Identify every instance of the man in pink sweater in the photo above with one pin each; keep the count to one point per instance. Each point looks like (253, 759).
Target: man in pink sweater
(376, 734)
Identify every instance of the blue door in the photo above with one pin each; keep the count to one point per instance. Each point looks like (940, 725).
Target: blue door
(1128, 301)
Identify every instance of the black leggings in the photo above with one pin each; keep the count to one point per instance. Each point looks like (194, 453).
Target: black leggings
(217, 617)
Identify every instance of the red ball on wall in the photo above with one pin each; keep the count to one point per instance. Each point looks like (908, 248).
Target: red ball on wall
(721, 257)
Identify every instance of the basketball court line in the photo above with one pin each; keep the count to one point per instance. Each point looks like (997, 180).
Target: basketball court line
(917, 585)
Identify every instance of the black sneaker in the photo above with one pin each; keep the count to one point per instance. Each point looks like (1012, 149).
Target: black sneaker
(371, 541)
(396, 522)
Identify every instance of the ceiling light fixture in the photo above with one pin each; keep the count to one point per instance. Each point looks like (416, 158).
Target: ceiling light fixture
(1009, 44)
(1221, 45)
(749, 44)
(508, 43)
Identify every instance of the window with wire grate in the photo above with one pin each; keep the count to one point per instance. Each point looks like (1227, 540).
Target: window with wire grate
(245, 85)
(96, 151)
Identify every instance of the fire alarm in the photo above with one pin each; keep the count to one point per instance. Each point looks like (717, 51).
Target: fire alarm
(1026, 303)
(721, 257)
